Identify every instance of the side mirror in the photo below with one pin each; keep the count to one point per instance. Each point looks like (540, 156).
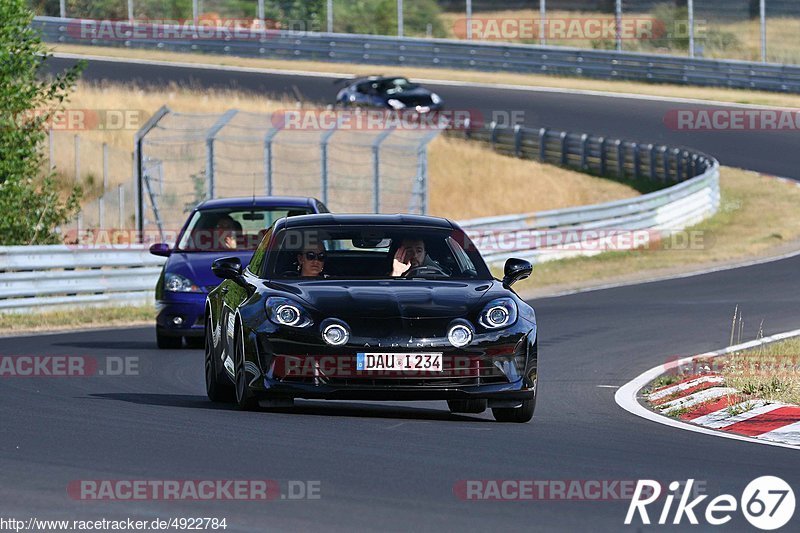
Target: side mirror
(160, 249)
(516, 270)
(227, 268)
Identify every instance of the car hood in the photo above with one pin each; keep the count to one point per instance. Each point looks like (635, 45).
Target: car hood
(402, 298)
(197, 265)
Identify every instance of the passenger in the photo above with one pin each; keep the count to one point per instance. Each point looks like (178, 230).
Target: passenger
(226, 232)
(311, 262)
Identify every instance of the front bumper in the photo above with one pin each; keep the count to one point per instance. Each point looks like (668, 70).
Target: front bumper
(188, 307)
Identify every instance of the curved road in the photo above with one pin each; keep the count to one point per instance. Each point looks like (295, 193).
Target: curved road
(390, 465)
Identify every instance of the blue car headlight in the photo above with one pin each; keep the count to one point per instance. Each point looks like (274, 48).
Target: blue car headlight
(286, 312)
(499, 313)
(178, 283)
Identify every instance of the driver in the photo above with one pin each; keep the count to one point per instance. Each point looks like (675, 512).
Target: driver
(410, 254)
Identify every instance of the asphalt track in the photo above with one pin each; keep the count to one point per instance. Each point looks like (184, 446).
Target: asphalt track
(394, 466)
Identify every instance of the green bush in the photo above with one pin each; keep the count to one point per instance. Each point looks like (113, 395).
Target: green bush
(31, 204)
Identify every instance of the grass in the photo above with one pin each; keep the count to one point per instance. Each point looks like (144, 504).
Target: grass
(468, 76)
(757, 216)
(454, 164)
(17, 323)
(770, 372)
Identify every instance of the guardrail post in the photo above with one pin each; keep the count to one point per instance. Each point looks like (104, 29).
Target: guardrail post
(138, 170)
(603, 159)
(652, 156)
(563, 138)
(636, 172)
(584, 151)
(620, 159)
(210, 137)
(467, 128)
(542, 144)
(376, 168)
(679, 170)
(665, 162)
(492, 134)
(517, 140)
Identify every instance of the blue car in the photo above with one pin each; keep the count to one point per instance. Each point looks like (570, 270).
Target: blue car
(215, 228)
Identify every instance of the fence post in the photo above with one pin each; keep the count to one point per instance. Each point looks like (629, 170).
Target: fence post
(679, 170)
(620, 159)
(584, 151)
(121, 193)
(493, 134)
(51, 149)
(603, 159)
(376, 168)
(563, 138)
(652, 163)
(636, 161)
(77, 159)
(210, 136)
(422, 165)
(467, 126)
(665, 162)
(323, 162)
(542, 144)
(517, 140)
(102, 200)
(268, 138)
(138, 170)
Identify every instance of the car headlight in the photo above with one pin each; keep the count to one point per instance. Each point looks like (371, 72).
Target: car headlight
(178, 283)
(285, 312)
(395, 103)
(435, 98)
(460, 334)
(499, 313)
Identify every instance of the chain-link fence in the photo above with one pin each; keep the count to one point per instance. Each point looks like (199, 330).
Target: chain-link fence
(352, 161)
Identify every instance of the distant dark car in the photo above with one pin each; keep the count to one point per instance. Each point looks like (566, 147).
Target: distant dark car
(215, 228)
(397, 307)
(392, 92)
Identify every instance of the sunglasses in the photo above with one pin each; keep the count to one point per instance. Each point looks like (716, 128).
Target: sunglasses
(311, 256)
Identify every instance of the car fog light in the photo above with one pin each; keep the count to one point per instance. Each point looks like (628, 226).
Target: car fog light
(459, 335)
(177, 321)
(335, 334)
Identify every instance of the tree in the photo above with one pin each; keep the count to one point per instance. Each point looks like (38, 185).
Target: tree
(31, 203)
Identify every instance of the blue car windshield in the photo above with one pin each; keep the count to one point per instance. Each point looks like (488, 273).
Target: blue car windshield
(374, 252)
(231, 228)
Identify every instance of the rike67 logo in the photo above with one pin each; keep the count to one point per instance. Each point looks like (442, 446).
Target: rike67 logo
(767, 503)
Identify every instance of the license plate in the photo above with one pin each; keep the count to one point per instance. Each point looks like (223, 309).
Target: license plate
(418, 362)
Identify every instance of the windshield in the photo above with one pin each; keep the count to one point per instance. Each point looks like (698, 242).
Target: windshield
(231, 228)
(395, 85)
(374, 252)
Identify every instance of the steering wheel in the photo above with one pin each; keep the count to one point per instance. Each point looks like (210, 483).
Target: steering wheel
(423, 270)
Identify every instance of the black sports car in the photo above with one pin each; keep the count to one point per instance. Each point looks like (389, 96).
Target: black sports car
(395, 93)
(374, 307)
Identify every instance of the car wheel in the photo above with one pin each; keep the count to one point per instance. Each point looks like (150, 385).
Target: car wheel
(166, 342)
(520, 414)
(217, 389)
(195, 342)
(244, 398)
(467, 406)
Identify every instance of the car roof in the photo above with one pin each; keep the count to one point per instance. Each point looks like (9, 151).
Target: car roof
(377, 78)
(259, 201)
(336, 219)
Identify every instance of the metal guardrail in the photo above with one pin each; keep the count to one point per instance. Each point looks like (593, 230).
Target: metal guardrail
(36, 278)
(444, 53)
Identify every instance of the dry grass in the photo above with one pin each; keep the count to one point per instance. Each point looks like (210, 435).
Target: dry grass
(757, 216)
(463, 168)
(529, 80)
(18, 323)
(770, 372)
(456, 165)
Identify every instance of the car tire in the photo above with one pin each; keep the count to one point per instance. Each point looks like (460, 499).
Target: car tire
(520, 414)
(218, 389)
(167, 342)
(467, 406)
(245, 400)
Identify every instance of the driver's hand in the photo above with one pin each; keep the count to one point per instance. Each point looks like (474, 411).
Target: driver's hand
(401, 263)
